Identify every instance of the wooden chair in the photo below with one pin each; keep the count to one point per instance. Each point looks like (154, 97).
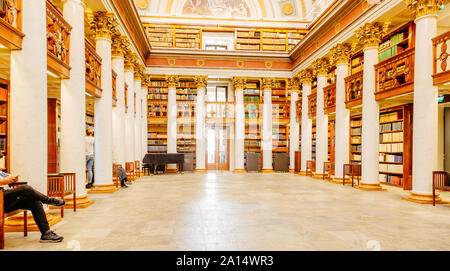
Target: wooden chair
(61, 185)
(146, 168)
(328, 170)
(116, 180)
(4, 215)
(310, 167)
(137, 168)
(352, 170)
(439, 183)
(129, 168)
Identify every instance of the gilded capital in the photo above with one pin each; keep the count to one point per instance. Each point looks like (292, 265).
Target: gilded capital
(424, 7)
(305, 76)
(268, 82)
(145, 81)
(370, 34)
(201, 81)
(340, 53)
(173, 81)
(120, 45)
(130, 60)
(294, 84)
(239, 82)
(139, 72)
(321, 66)
(104, 24)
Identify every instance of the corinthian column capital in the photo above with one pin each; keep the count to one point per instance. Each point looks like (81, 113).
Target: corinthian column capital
(340, 53)
(424, 7)
(239, 82)
(370, 34)
(305, 76)
(173, 81)
(120, 45)
(321, 66)
(104, 24)
(130, 60)
(294, 84)
(201, 81)
(268, 82)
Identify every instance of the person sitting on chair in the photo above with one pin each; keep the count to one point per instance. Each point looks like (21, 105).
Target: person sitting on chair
(122, 176)
(25, 197)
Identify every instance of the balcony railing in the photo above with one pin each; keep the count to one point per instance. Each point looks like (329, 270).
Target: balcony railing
(186, 111)
(93, 71)
(220, 111)
(395, 75)
(11, 23)
(354, 89)
(58, 42)
(329, 98)
(441, 72)
(114, 87)
(312, 105)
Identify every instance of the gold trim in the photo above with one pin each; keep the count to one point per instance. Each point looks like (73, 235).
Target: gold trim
(267, 171)
(370, 187)
(424, 198)
(103, 189)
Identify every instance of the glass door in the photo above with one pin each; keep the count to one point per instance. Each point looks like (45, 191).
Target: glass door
(217, 148)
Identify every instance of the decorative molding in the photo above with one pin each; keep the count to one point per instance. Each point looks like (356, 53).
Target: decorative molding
(370, 34)
(424, 7)
(239, 83)
(340, 53)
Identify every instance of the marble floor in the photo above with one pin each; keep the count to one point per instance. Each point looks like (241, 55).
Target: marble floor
(226, 211)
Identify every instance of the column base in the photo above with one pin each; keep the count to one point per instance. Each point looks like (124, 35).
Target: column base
(317, 176)
(337, 180)
(236, 170)
(267, 170)
(82, 202)
(15, 223)
(291, 170)
(301, 173)
(424, 198)
(172, 171)
(103, 189)
(200, 170)
(369, 186)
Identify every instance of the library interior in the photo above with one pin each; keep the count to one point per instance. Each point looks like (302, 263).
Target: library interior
(226, 125)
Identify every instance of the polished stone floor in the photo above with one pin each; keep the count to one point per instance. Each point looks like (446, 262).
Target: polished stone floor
(226, 211)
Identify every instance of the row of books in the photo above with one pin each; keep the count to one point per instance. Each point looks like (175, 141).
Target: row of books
(89, 118)
(246, 34)
(393, 158)
(390, 168)
(251, 115)
(391, 179)
(157, 96)
(279, 131)
(185, 141)
(356, 131)
(391, 137)
(248, 41)
(187, 45)
(355, 140)
(251, 91)
(356, 157)
(157, 148)
(391, 147)
(274, 34)
(277, 41)
(158, 90)
(252, 136)
(186, 97)
(185, 149)
(3, 144)
(157, 134)
(161, 44)
(158, 84)
(157, 142)
(395, 126)
(356, 148)
(253, 143)
(253, 86)
(274, 47)
(278, 136)
(247, 47)
(355, 123)
(393, 116)
(252, 99)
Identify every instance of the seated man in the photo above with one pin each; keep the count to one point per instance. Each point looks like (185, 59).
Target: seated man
(122, 176)
(25, 197)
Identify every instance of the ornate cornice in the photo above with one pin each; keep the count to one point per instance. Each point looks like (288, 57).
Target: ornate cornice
(120, 45)
(268, 82)
(173, 81)
(424, 7)
(104, 24)
(340, 53)
(321, 66)
(201, 81)
(305, 76)
(239, 82)
(370, 34)
(293, 84)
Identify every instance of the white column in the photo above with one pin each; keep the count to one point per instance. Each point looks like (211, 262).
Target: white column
(321, 125)
(239, 84)
(294, 132)
(173, 82)
(73, 103)
(200, 129)
(342, 120)
(129, 115)
(28, 99)
(144, 125)
(137, 119)
(103, 109)
(425, 111)
(118, 62)
(306, 136)
(370, 120)
(267, 126)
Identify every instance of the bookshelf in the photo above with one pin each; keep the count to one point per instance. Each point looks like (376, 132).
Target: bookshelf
(355, 139)
(253, 115)
(313, 143)
(188, 37)
(357, 62)
(90, 113)
(397, 41)
(280, 116)
(187, 90)
(248, 40)
(394, 147)
(157, 116)
(4, 125)
(160, 35)
(267, 39)
(171, 36)
(331, 140)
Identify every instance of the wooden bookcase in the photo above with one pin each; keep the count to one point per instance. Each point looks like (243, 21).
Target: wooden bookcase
(253, 115)
(397, 41)
(248, 40)
(171, 36)
(355, 139)
(187, 90)
(157, 116)
(280, 116)
(90, 112)
(188, 37)
(395, 157)
(267, 39)
(4, 125)
(313, 143)
(331, 140)
(186, 96)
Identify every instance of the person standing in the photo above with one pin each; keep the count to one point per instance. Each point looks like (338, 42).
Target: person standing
(90, 157)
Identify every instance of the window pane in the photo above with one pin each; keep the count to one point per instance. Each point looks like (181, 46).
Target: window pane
(221, 94)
